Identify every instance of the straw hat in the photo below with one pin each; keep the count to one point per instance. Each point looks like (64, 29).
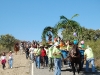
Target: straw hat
(56, 44)
(10, 51)
(45, 46)
(41, 46)
(80, 46)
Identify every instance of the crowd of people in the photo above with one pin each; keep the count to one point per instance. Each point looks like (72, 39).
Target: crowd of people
(51, 55)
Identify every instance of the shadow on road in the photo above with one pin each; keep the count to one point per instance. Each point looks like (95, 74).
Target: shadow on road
(83, 72)
(19, 66)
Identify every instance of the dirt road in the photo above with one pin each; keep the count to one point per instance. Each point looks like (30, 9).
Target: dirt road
(20, 66)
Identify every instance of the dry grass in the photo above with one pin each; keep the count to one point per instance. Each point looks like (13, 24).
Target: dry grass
(96, 49)
(97, 63)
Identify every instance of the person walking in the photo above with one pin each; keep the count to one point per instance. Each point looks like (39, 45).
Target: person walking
(27, 52)
(68, 47)
(43, 54)
(3, 60)
(31, 50)
(57, 59)
(89, 58)
(10, 59)
(37, 56)
(21, 48)
(50, 57)
(46, 57)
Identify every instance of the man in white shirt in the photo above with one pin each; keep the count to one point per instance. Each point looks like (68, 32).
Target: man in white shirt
(89, 57)
(21, 48)
(31, 50)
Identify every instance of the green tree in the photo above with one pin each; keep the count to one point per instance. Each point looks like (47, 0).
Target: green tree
(49, 32)
(7, 41)
(69, 26)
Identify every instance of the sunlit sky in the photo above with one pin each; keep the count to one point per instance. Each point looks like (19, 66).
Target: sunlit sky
(26, 19)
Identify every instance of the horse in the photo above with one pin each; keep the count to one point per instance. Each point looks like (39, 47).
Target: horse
(75, 59)
(16, 48)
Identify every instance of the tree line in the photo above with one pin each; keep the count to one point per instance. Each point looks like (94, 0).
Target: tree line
(7, 41)
(70, 30)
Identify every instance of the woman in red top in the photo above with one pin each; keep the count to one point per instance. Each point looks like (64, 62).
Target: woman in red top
(43, 54)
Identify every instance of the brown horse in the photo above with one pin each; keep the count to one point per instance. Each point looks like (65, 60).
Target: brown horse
(75, 59)
(16, 48)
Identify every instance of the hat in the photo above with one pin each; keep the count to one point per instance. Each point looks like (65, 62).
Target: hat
(51, 43)
(41, 46)
(56, 44)
(80, 46)
(10, 51)
(45, 46)
(87, 46)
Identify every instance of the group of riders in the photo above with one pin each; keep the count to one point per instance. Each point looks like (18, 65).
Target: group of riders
(56, 54)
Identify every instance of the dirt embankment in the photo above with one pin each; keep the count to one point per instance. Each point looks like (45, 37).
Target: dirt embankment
(20, 66)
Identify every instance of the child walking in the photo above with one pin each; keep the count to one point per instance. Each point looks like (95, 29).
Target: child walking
(3, 60)
(10, 59)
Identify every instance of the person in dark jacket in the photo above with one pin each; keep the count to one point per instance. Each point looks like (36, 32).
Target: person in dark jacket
(27, 52)
(43, 55)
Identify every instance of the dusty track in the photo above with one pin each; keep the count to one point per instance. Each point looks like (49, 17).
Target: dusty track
(20, 66)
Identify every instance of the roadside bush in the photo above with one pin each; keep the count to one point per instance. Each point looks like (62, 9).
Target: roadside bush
(95, 45)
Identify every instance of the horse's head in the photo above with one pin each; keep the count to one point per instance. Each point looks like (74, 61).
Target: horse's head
(74, 51)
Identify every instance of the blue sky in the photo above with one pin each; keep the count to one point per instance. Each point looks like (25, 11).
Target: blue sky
(26, 19)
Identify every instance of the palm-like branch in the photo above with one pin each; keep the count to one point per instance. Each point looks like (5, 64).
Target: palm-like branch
(68, 24)
(49, 29)
(75, 16)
